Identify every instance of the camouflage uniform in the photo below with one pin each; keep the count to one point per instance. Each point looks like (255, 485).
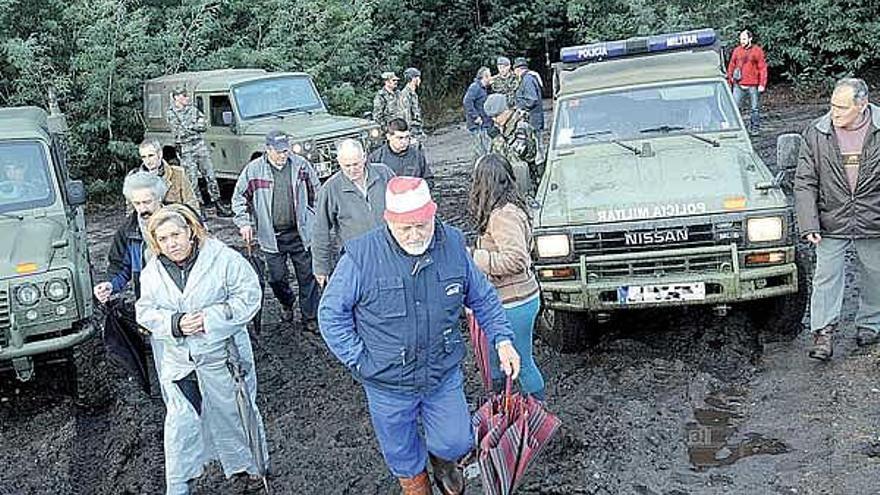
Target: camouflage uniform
(386, 106)
(518, 142)
(411, 112)
(506, 85)
(187, 125)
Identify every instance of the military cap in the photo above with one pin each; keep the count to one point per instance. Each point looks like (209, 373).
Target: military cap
(278, 140)
(502, 61)
(495, 104)
(520, 62)
(179, 90)
(389, 75)
(411, 73)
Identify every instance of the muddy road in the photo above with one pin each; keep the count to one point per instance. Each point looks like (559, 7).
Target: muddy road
(665, 403)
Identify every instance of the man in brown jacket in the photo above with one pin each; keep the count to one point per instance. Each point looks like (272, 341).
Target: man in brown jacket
(179, 190)
(837, 196)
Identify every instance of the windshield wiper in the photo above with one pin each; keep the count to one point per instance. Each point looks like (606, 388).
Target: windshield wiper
(674, 128)
(594, 134)
(13, 216)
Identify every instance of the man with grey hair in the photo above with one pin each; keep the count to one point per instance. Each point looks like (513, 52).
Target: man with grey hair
(837, 197)
(350, 203)
(179, 187)
(478, 123)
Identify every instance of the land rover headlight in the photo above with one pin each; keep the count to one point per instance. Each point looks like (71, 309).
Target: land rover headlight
(553, 246)
(27, 294)
(57, 290)
(375, 133)
(764, 229)
(297, 148)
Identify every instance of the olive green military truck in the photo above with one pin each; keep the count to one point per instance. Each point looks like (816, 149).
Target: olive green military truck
(45, 279)
(242, 105)
(653, 195)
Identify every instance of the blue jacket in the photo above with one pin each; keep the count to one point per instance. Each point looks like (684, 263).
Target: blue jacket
(528, 98)
(473, 106)
(125, 260)
(394, 319)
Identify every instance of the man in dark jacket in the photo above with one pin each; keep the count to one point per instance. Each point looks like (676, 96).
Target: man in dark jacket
(837, 196)
(391, 315)
(350, 203)
(478, 123)
(399, 156)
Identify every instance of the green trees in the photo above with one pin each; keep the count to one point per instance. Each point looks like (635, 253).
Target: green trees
(96, 53)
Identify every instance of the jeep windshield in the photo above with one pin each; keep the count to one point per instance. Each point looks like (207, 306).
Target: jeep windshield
(24, 176)
(276, 96)
(618, 115)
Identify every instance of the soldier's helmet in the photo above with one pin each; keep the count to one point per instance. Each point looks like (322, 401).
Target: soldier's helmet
(389, 75)
(411, 73)
(179, 90)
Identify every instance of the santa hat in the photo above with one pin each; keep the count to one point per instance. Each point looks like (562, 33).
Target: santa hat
(407, 199)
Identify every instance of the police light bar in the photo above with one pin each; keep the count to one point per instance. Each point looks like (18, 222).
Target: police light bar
(632, 46)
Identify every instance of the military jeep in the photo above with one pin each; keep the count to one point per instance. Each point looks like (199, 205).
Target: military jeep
(242, 105)
(653, 195)
(45, 279)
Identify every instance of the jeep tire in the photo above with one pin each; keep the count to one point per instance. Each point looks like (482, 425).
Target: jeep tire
(565, 331)
(784, 315)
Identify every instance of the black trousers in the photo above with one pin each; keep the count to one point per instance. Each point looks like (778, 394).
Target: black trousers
(290, 246)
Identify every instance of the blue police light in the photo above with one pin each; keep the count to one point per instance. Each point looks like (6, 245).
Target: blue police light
(632, 46)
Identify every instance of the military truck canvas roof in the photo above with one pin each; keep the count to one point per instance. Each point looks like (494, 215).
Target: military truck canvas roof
(640, 70)
(22, 122)
(214, 80)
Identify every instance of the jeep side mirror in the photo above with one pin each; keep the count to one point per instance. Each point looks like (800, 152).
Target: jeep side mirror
(227, 118)
(368, 115)
(76, 193)
(788, 147)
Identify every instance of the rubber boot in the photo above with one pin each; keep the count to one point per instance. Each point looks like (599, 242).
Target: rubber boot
(823, 344)
(447, 476)
(866, 336)
(417, 485)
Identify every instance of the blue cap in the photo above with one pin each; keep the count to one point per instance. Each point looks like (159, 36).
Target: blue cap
(278, 140)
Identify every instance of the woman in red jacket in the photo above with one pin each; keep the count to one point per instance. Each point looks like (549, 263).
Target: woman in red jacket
(747, 73)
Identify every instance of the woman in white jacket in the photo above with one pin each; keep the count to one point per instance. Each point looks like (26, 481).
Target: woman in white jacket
(197, 296)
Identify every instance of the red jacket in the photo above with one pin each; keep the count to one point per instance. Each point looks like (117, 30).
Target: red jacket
(752, 64)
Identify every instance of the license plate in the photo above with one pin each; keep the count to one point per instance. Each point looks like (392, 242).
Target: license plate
(635, 294)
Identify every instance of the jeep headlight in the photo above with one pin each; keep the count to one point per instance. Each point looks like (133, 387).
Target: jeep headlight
(764, 229)
(56, 290)
(375, 133)
(27, 294)
(297, 148)
(553, 246)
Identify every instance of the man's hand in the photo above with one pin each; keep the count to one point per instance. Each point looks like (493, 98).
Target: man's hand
(247, 234)
(814, 237)
(321, 279)
(509, 359)
(478, 120)
(102, 292)
(192, 323)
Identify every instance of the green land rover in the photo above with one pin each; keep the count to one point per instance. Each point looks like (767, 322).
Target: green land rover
(242, 105)
(653, 195)
(45, 279)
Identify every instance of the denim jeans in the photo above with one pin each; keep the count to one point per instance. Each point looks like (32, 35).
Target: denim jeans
(522, 320)
(738, 93)
(442, 413)
(828, 282)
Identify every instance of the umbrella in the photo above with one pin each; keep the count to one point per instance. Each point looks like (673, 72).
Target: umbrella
(124, 342)
(259, 266)
(510, 429)
(481, 347)
(247, 413)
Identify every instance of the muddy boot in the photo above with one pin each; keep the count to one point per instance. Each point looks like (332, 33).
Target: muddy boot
(865, 337)
(222, 209)
(823, 344)
(447, 476)
(417, 485)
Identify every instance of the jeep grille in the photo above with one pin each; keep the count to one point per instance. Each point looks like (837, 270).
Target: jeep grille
(5, 321)
(699, 235)
(640, 267)
(324, 154)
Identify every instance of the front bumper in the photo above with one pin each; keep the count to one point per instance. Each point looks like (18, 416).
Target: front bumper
(598, 278)
(17, 347)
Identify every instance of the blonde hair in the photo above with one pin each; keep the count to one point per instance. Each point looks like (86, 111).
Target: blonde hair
(180, 215)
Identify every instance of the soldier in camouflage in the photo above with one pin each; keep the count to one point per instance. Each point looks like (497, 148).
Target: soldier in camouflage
(386, 103)
(516, 139)
(187, 126)
(410, 110)
(505, 82)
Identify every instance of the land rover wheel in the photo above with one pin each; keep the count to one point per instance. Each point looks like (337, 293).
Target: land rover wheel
(565, 331)
(784, 315)
(90, 375)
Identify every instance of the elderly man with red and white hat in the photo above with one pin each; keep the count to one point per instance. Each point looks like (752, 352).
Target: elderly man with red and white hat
(391, 315)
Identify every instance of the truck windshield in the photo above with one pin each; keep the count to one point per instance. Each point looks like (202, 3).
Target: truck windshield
(276, 96)
(24, 176)
(686, 108)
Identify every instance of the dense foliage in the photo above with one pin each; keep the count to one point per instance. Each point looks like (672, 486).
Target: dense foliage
(96, 53)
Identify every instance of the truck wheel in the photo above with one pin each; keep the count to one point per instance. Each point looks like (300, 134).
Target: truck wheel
(90, 375)
(565, 331)
(784, 315)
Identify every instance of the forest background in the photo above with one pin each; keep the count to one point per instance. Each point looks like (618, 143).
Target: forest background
(97, 53)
